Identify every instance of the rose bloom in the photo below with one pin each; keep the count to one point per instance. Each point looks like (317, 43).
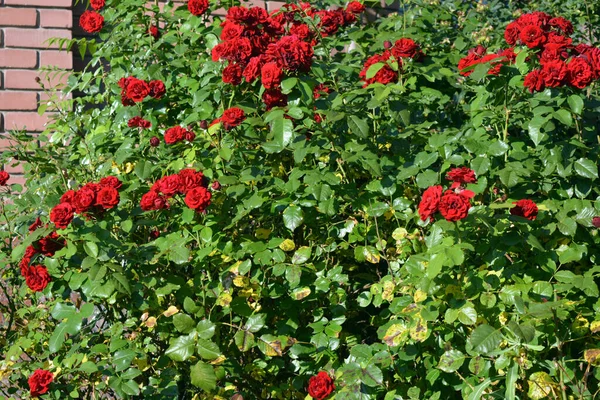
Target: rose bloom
(320, 386)
(466, 62)
(291, 53)
(197, 7)
(157, 89)
(532, 36)
(534, 81)
(405, 48)
(174, 135)
(385, 75)
(154, 32)
(190, 136)
(37, 278)
(4, 176)
(198, 198)
(152, 201)
(355, 7)
(30, 252)
(170, 185)
(62, 215)
(84, 199)
(274, 98)
(137, 90)
(271, 75)
(430, 202)
(231, 30)
(97, 4)
(68, 196)
(190, 179)
(301, 30)
(511, 33)
(454, 206)
(91, 21)
(252, 70)
(562, 24)
(39, 382)
(525, 208)
(579, 73)
(139, 122)
(36, 224)
(233, 116)
(554, 73)
(232, 74)
(48, 245)
(461, 175)
(107, 197)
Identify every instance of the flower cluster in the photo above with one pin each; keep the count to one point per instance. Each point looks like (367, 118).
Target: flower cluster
(231, 118)
(134, 90)
(454, 203)
(188, 182)
(4, 177)
(478, 55)
(525, 208)
(139, 122)
(390, 62)
(177, 134)
(258, 44)
(320, 386)
(91, 198)
(39, 382)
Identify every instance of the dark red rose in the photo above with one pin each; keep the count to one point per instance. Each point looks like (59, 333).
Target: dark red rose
(91, 21)
(157, 89)
(137, 90)
(174, 135)
(154, 141)
(97, 4)
(4, 177)
(559, 41)
(190, 178)
(30, 252)
(478, 50)
(320, 386)
(495, 61)
(387, 44)
(405, 48)
(126, 101)
(536, 18)
(48, 245)
(190, 136)
(237, 14)
(321, 90)
(232, 74)
(84, 199)
(385, 74)
(461, 175)
(525, 208)
(204, 124)
(37, 223)
(198, 198)
(534, 81)
(252, 70)
(37, 278)
(62, 215)
(355, 7)
(301, 30)
(596, 222)
(466, 62)
(579, 73)
(216, 185)
(554, 73)
(592, 56)
(68, 196)
(39, 382)
(170, 185)
(270, 75)
(107, 197)
(154, 32)
(139, 122)
(430, 202)
(329, 21)
(153, 201)
(511, 33)
(197, 7)
(231, 30)
(233, 117)
(454, 206)
(532, 36)
(291, 53)
(562, 24)
(274, 98)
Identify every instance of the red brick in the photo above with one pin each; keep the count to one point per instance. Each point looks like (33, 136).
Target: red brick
(18, 100)
(18, 17)
(33, 38)
(60, 59)
(15, 179)
(274, 5)
(42, 3)
(12, 58)
(13, 169)
(56, 19)
(30, 121)
(25, 79)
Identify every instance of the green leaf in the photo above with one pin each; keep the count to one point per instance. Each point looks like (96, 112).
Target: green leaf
(143, 169)
(374, 69)
(467, 315)
(586, 168)
(255, 323)
(205, 329)
(478, 391)
(576, 103)
(358, 126)
(564, 116)
(301, 255)
(122, 359)
(62, 311)
(283, 132)
(293, 217)
(511, 379)
(58, 337)
(244, 340)
(91, 249)
(203, 376)
(288, 84)
(372, 375)
(207, 349)
(179, 254)
(183, 323)
(451, 361)
(485, 339)
(541, 386)
(182, 348)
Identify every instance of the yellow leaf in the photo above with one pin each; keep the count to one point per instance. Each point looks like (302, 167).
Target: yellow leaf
(388, 291)
(219, 360)
(541, 386)
(234, 268)
(129, 167)
(420, 296)
(301, 293)
(595, 326)
(172, 310)
(287, 245)
(224, 300)
(373, 258)
(419, 332)
(592, 356)
(150, 322)
(241, 281)
(396, 334)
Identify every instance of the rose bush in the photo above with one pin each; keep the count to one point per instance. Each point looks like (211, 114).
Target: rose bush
(300, 202)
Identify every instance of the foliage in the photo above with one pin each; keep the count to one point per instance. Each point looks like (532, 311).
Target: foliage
(311, 255)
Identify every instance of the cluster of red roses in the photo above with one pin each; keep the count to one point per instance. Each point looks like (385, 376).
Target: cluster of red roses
(134, 90)
(556, 61)
(258, 44)
(139, 122)
(39, 382)
(92, 197)
(454, 203)
(231, 118)
(320, 386)
(177, 134)
(4, 177)
(388, 72)
(92, 21)
(188, 182)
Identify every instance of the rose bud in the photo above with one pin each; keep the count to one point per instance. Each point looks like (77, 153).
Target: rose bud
(216, 185)
(204, 124)
(596, 222)
(387, 45)
(190, 136)
(154, 141)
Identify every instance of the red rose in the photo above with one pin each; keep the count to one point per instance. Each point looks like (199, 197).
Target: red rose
(198, 198)
(138, 122)
(252, 70)
(68, 196)
(454, 206)
(153, 201)
(461, 175)
(525, 208)
(270, 75)
(329, 22)
(233, 117)
(430, 202)
(217, 186)
(596, 222)
(405, 48)
(554, 73)
(231, 30)
(385, 74)
(126, 101)
(4, 176)
(320, 386)
(562, 24)
(84, 199)
(39, 382)
(171, 185)
(157, 89)
(511, 33)
(190, 179)
(274, 98)
(534, 81)
(190, 136)
(579, 73)
(291, 53)
(37, 278)
(30, 252)
(592, 56)
(174, 135)
(50, 244)
(532, 36)
(301, 30)
(108, 197)
(321, 90)
(558, 40)
(197, 7)
(154, 141)
(91, 21)
(232, 74)
(36, 224)
(97, 4)
(355, 7)
(154, 32)
(137, 90)
(466, 62)
(237, 14)
(62, 215)
(111, 181)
